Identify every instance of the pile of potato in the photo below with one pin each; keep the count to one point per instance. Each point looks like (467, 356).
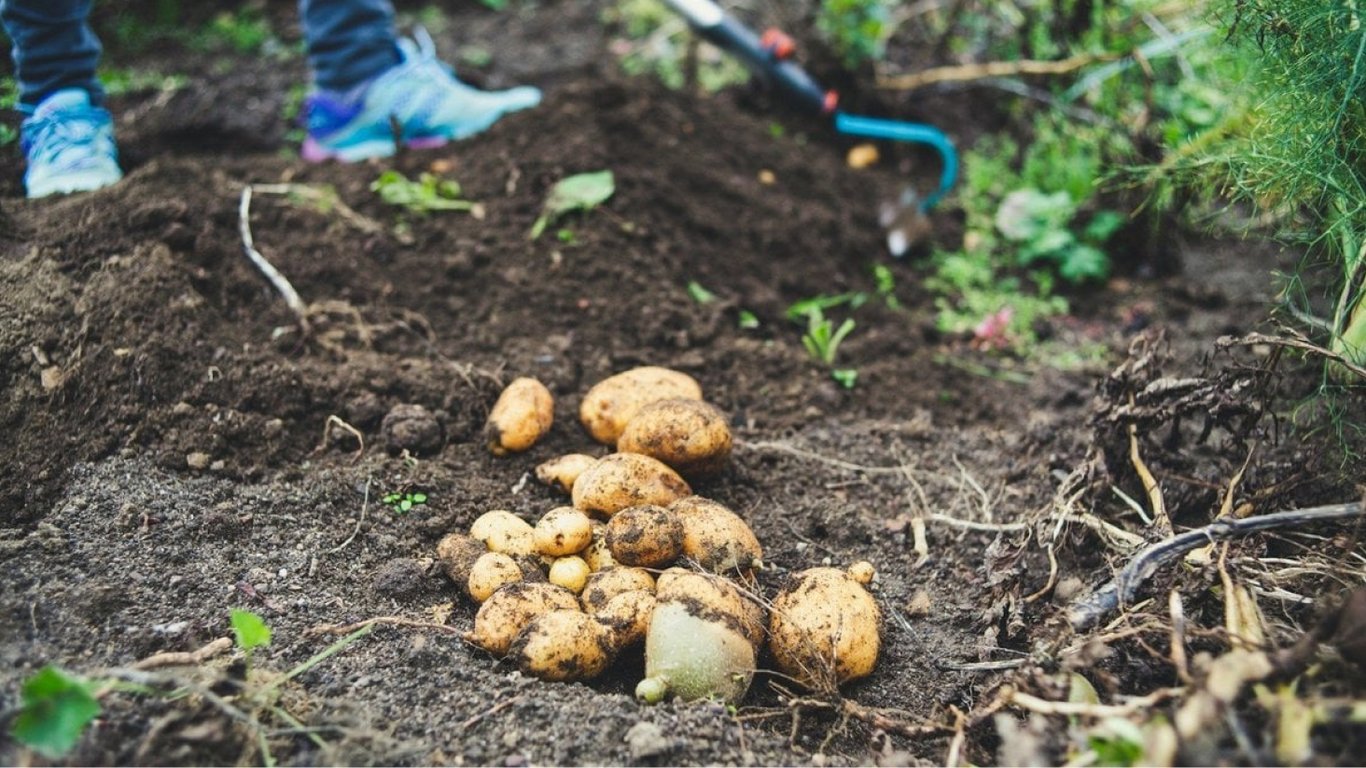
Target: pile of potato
(638, 558)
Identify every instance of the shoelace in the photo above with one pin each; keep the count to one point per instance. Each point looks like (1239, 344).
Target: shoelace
(420, 52)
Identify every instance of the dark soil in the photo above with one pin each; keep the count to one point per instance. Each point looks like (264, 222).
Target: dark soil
(168, 454)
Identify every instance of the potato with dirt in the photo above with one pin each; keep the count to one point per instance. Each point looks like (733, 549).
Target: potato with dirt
(825, 628)
(697, 646)
(605, 585)
(561, 472)
(627, 616)
(596, 554)
(646, 536)
(610, 404)
(622, 480)
(523, 414)
(563, 646)
(491, 571)
(510, 608)
(570, 572)
(692, 436)
(457, 552)
(562, 531)
(716, 538)
(502, 531)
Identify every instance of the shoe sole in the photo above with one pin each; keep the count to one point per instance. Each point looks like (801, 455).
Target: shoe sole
(70, 184)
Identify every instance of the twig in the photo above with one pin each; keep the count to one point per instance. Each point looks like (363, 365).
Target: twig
(1123, 587)
(278, 280)
(336, 421)
(326, 199)
(359, 522)
(1294, 342)
(1150, 485)
(335, 629)
(1081, 708)
(495, 709)
(185, 658)
(966, 72)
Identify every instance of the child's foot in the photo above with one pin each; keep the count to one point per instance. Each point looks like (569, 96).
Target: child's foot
(69, 146)
(418, 103)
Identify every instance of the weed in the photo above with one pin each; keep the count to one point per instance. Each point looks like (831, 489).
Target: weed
(55, 708)
(846, 377)
(566, 236)
(748, 321)
(855, 29)
(245, 31)
(120, 82)
(699, 294)
(656, 41)
(429, 193)
(580, 192)
(402, 503)
(822, 338)
(250, 631)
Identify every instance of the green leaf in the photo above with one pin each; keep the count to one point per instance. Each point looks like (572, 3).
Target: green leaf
(405, 505)
(1028, 214)
(846, 377)
(250, 629)
(748, 320)
(1102, 226)
(1084, 262)
(419, 498)
(699, 294)
(56, 707)
(580, 192)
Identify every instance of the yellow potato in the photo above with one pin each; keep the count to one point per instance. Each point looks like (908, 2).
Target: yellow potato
(646, 536)
(525, 411)
(596, 554)
(502, 531)
(561, 471)
(605, 585)
(825, 629)
(562, 646)
(623, 480)
(716, 538)
(627, 615)
(562, 531)
(491, 571)
(457, 553)
(691, 436)
(863, 572)
(509, 609)
(717, 593)
(570, 572)
(611, 403)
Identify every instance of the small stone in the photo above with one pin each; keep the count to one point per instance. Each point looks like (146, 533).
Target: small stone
(198, 460)
(273, 428)
(646, 740)
(400, 577)
(182, 408)
(412, 428)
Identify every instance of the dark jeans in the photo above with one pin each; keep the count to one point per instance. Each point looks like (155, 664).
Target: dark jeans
(349, 42)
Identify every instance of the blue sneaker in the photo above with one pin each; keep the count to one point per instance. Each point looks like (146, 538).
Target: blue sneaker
(69, 145)
(419, 99)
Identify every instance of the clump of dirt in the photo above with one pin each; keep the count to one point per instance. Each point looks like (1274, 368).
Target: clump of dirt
(176, 447)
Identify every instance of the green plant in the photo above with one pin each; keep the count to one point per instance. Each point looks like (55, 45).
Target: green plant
(699, 294)
(856, 29)
(656, 41)
(428, 193)
(250, 630)
(55, 707)
(580, 192)
(822, 339)
(748, 320)
(404, 502)
(245, 31)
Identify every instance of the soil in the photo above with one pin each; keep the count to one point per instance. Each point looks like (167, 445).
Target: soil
(175, 447)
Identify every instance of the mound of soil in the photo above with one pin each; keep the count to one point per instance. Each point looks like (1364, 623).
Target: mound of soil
(176, 447)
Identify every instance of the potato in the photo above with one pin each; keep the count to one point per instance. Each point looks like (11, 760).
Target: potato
(695, 650)
(502, 531)
(457, 553)
(605, 585)
(562, 531)
(570, 572)
(645, 536)
(525, 411)
(596, 554)
(509, 609)
(627, 615)
(719, 594)
(717, 539)
(691, 436)
(623, 480)
(611, 403)
(491, 571)
(562, 646)
(561, 471)
(863, 572)
(825, 629)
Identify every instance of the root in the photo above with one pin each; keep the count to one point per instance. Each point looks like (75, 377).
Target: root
(185, 658)
(276, 278)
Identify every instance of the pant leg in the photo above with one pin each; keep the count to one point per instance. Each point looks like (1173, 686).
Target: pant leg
(54, 47)
(349, 41)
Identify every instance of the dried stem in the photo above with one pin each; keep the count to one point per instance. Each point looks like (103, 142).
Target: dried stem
(276, 278)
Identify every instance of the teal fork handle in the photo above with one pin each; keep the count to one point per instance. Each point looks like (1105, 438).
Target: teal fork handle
(916, 133)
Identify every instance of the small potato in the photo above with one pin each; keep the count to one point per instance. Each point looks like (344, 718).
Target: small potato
(509, 609)
(623, 480)
(562, 646)
(491, 571)
(457, 553)
(611, 403)
(596, 554)
(605, 585)
(691, 436)
(561, 471)
(627, 615)
(645, 536)
(863, 572)
(716, 538)
(562, 531)
(570, 572)
(502, 531)
(825, 629)
(525, 411)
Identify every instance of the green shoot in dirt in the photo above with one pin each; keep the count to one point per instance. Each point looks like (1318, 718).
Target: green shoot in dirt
(748, 321)
(250, 630)
(55, 708)
(402, 503)
(429, 193)
(580, 192)
(856, 29)
(653, 40)
(699, 294)
(822, 338)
